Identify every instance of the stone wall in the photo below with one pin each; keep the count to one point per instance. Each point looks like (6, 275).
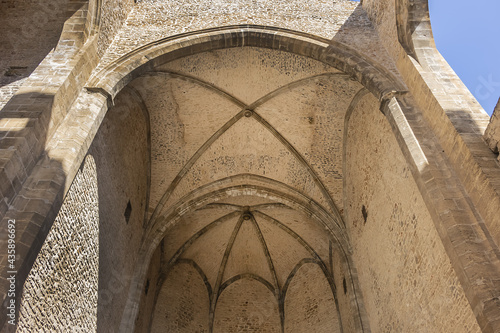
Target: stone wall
(121, 152)
(150, 293)
(151, 20)
(492, 134)
(405, 275)
(61, 291)
(247, 306)
(310, 304)
(312, 101)
(113, 14)
(30, 30)
(247, 293)
(349, 297)
(382, 14)
(399, 254)
(183, 303)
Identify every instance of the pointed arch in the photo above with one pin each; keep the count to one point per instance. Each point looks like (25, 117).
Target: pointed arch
(112, 78)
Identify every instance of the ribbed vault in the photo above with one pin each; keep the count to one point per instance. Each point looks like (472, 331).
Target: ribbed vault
(248, 111)
(254, 243)
(243, 226)
(245, 155)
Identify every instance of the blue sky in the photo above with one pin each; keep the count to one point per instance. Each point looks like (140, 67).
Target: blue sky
(467, 34)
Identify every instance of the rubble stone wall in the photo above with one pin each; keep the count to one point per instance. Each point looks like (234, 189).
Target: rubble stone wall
(61, 291)
(405, 275)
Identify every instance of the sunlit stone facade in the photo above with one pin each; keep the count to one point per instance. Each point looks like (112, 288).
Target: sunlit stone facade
(241, 166)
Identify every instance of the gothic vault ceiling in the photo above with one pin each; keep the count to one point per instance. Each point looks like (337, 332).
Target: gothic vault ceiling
(270, 125)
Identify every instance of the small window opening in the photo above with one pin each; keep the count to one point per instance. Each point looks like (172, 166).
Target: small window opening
(146, 287)
(344, 283)
(128, 212)
(365, 213)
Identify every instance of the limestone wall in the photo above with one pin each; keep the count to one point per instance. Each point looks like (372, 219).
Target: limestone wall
(343, 21)
(113, 14)
(121, 152)
(492, 134)
(30, 30)
(183, 303)
(452, 112)
(405, 275)
(349, 296)
(303, 113)
(382, 14)
(248, 306)
(152, 20)
(403, 268)
(309, 303)
(117, 198)
(61, 291)
(150, 293)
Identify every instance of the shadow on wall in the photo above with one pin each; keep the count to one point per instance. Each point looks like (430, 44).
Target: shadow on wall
(30, 30)
(37, 218)
(105, 205)
(360, 34)
(121, 150)
(27, 135)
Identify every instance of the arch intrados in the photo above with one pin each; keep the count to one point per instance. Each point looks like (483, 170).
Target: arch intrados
(252, 185)
(214, 192)
(378, 80)
(177, 256)
(247, 276)
(244, 107)
(252, 106)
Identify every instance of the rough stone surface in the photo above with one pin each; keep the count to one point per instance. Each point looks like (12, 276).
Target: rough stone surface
(260, 166)
(113, 15)
(265, 249)
(302, 114)
(492, 134)
(31, 29)
(118, 150)
(189, 312)
(310, 305)
(155, 19)
(396, 247)
(254, 310)
(61, 291)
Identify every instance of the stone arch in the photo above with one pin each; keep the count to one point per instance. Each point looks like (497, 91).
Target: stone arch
(247, 317)
(164, 315)
(257, 185)
(115, 76)
(332, 318)
(241, 185)
(246, 111)
(379, 81)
